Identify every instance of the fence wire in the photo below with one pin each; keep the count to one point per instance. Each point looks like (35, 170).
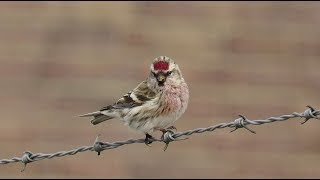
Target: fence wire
(167, 137)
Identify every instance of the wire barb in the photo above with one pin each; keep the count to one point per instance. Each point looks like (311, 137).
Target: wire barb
(167, 137)
(97, 146)
(241, 123)
(26, 158)
(309, 114)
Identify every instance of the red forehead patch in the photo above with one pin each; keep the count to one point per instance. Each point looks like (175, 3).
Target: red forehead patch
(161, 65)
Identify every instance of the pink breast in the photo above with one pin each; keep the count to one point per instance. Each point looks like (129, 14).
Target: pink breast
(176, 98)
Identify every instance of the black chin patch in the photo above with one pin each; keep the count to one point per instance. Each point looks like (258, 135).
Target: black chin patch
(160, 83)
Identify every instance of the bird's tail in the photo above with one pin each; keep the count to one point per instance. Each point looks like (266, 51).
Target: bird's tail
(98, 117)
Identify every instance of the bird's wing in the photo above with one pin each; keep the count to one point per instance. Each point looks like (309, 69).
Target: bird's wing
(138, 96)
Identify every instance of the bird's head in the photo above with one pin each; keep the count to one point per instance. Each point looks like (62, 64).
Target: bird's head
(164, 71)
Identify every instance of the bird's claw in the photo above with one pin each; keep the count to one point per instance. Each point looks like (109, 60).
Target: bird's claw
(172, 128)
(147, 140)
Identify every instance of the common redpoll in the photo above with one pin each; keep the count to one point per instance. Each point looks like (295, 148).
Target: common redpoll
(154, 104)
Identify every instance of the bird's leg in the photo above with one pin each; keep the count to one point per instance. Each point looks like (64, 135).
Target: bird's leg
(147, 139)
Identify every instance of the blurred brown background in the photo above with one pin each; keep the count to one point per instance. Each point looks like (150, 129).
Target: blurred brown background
(62, 59)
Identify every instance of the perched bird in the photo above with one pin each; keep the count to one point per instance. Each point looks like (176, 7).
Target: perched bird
(155, 104)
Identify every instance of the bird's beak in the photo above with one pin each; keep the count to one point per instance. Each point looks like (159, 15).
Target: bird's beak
(161, 78)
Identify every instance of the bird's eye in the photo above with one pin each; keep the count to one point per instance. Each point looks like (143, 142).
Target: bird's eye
(168, 73)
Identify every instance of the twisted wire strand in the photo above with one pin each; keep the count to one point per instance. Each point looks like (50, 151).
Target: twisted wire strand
(167, 137)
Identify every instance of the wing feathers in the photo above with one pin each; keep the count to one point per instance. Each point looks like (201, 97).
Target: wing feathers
(137, 97)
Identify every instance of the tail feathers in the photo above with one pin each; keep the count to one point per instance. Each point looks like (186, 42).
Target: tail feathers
(98, 117)
(90, 114)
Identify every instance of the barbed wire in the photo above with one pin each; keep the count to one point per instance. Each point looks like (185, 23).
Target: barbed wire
(167, 137)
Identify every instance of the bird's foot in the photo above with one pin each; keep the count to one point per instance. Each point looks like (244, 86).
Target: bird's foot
(147, 140)
(172, 128)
